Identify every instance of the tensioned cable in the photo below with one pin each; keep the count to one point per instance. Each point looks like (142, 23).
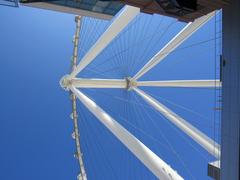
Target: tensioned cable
(179, 49)
(96, 30)
(88, 30)
(93, 71)
(146, 49)
(144, 122)
(86, 142)
(178, 131)
(92, 29)
(144, 31)
(106, 107)
(180, 59)
(95, 135)
(137, 34)
(94, 164)
(103, 72)
(166, 100)
(112, 47)
(127, 114)
(169, 144)
(188, 46)
(106, 139)
(137, 127)
(132, 25)
(123, 37)
(121, 41)
(124, 50)
(160, 38)
(129, 161)
(184, 108)
(123, 56)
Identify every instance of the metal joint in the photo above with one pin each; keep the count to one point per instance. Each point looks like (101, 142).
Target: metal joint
(130, 83)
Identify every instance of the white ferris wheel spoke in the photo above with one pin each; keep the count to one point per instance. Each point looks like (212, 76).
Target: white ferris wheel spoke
(181, 83)
(208, 144)
(98, 83)
(184, 34)
(118, 24)
(123, 83)
(156, 165)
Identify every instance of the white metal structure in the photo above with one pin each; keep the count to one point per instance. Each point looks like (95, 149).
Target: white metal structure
(186, 127)
(183, 35)
(154, 163)
(144, 154)
(118, 24)
(181, 83)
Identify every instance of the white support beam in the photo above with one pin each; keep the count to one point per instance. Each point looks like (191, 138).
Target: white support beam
(124, 83)
(181, 83)
(208, 144)
(98, 83)
(118, 24)
(183, 35)
(156, 165)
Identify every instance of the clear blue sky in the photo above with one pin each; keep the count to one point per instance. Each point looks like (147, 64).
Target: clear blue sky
(35, 129)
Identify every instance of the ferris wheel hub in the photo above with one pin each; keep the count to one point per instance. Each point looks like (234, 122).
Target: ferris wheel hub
(65, 82)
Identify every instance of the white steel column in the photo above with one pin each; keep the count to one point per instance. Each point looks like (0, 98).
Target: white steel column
(212, 147)
(119, 23)
(184, 34)
(181, 83)
(157, 166)
(98, 83)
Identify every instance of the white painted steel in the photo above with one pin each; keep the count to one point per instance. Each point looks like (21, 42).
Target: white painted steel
(212, 147)
(181, 83)
(156, 165)
(119, 23)
(184, 34)
(98, 83)
(122, 83)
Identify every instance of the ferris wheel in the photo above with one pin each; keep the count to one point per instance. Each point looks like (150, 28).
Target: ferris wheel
(72, 83)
